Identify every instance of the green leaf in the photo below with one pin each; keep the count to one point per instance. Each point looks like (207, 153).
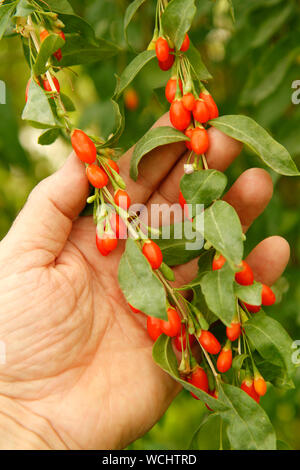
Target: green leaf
(154, 138)
(38, 110)
(222, 228)
(181, 245)
(132, 70)
(6, 12)
(24, 8)
(49, 136)
(249, 294)
(248, 426)
(58, 6)
(67, 102)
(119, 126)
(271, 341)
(281, 445)
(246, 130)
(238, 361)
(77, 51)
(199, 69)
(130, 12)
(203, 187)
(207, 436)
(51, 44)
(217, 288)
(140, 286)
(164, 356)
(177, 20)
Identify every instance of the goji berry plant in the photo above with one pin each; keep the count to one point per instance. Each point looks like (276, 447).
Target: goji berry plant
(239, 347)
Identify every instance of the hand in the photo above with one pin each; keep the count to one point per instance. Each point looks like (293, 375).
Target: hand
(79, 371)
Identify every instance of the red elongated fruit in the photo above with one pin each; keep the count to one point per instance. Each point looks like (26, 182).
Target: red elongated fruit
(122, 199)
(153, 254)
(199, 379)
(118, 226)
(209, 342)
(252, 308)
(112, 164)
(186, 44)
(135, 310)
(218, 262)
(248, 387)
(58, 53)
(260, 386)
(62, 35)
(43, 35)
(245, 275)
(83, 146)
(182, 201)
(210, 103)
(47, 86)
(188, 133)
(131, 99)
(179, 116)
(188, 101)
(167, 64)
(171, 327)
(106, 243)
(162, 49)
(200, 111)
(267, 295)
(199, 141)
(180, 339)
(233, 331)
(154, 327)
(224, 361)
(96, 176)
(171, 88)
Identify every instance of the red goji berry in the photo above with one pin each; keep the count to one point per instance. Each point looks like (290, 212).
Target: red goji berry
(199, 379)
(189, 101)
(154, 327)
(267, 295)
(106, 243)
(122, 199)
(248, 387)
(135, 310)
(96, 176)
(118, 226)
(245, 275)
(47, 86)
(189, 133)
(179, 116)
(182, 201)
(186, 43)
(162, 49)
(260, 385)
(233, 331)
(224, 361)
(252, 308)
(171, 88)
(112, 164)
(218, 262)
(171, 327)
(201, 111)
(165, 66)
(131, 99)
(209, 342)
(210, 102)
(153, 254)
(83, 146)
(199, 140)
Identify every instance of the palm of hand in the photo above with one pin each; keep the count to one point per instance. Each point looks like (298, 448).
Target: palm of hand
(76, 355)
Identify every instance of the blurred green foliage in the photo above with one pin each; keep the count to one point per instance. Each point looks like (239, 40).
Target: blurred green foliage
(254, 63)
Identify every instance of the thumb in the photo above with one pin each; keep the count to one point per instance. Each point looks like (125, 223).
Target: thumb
(45, 222)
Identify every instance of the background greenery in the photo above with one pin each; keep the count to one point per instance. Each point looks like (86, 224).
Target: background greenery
(254, 63)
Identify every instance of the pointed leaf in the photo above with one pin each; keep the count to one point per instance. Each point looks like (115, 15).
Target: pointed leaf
(246, 130)
(199, 69)
(207, 436)
(132, 70)
(177, 20)
(217, 288)
(50, 45)
(154, 138)
(140, 286)
(6, 12)
(249, 294)
(130, 12)
(38, 110)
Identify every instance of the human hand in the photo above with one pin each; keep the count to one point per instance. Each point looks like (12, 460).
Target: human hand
(79, 371)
